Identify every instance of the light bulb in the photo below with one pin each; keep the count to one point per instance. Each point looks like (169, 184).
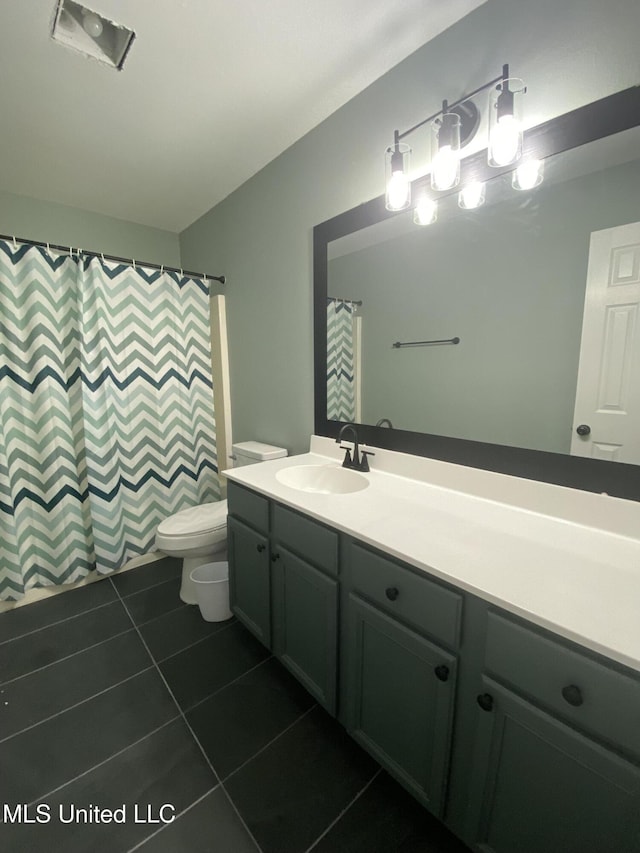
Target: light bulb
(92, 25)
(445, 168)
(505, 140)
(426, 211)
(398, 191)
(472, 196)
(528, 175)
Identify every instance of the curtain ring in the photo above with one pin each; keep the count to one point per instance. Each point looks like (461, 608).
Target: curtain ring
(161, 269)
(15, 243)
(181, 273)
(133, 261)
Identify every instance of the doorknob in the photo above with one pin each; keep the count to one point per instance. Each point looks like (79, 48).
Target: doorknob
(583, 429)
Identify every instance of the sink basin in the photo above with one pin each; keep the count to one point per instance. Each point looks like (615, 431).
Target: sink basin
(322, 479)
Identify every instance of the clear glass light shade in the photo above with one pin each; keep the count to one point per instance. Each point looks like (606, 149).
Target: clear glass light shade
(528, 175)
(426, 211)
(397, 182)
(445, 152)
(505, 122)
(472, 196)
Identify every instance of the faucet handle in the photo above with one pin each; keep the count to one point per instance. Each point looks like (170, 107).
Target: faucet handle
(347, 457)
(364, 464)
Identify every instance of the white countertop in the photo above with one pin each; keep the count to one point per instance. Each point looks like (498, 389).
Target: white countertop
(566, 560)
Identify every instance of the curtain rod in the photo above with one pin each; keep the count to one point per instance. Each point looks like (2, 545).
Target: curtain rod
(348, 301)
(132, 261)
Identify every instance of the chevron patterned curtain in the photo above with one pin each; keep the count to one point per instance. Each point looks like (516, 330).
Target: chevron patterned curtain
(106, 412)
(341, 396)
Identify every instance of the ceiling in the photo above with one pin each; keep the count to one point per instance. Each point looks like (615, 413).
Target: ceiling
(211, 91)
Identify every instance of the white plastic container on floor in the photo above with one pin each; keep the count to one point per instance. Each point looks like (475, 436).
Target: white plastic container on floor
(211, 581)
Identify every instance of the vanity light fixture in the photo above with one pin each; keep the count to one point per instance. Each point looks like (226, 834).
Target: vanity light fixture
(398, 193)
(452, 127)
(505, 123)
(528, 175)
(445, 148)
(472, 196)
(426, 211)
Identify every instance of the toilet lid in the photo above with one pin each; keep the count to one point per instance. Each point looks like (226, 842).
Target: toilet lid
(195, 519)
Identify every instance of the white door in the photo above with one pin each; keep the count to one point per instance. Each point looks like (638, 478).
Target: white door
(607, 411)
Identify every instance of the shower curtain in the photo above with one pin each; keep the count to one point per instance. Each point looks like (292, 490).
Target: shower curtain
(343, 373)
(106, 412)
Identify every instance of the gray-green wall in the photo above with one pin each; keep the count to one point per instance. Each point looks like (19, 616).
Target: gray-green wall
(69, 226)
(570, 52)
(509, 281)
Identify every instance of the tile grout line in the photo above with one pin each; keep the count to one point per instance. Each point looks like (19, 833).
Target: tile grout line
(44, 797)
(177, 817)
(224, 686)
(196, 642)
(344, 811)
(273, 740)
(76, 704)
(58, 622)
(187, 724)
(66, 657)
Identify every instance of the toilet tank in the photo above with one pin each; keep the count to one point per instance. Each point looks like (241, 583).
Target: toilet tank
(248, 452)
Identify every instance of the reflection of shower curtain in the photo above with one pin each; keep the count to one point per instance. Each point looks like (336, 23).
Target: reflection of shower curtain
(106, 412)
(343, 361)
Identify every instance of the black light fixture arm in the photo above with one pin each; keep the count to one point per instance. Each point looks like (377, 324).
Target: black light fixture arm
(446, 106)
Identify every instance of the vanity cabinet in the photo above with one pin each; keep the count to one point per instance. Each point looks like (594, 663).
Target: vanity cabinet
(519, 740)
(556, 734)
(398, 685)
(284, 587)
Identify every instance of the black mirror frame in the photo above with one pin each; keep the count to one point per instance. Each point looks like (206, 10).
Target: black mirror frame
(597, 120)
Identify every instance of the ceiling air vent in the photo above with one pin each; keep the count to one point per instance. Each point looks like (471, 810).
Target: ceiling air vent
(90, 34)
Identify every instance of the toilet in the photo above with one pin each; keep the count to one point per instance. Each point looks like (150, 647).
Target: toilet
(198, 535)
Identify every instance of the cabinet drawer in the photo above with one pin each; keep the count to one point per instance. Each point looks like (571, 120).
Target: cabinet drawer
(307, 538)
(250, 507)
(414, 599)
(586, 692)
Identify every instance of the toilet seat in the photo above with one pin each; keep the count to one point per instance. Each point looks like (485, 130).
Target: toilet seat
(195, 527)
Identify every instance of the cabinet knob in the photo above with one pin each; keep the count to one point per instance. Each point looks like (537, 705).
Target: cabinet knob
(275, 557)
(392, 593)
(573, 695)
(442, 672)
(485, 700)
(260, 548)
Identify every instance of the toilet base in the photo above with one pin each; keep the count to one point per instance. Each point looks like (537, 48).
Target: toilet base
(188, 587)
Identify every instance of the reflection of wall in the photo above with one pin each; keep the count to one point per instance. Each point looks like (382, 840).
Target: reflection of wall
(509, 281)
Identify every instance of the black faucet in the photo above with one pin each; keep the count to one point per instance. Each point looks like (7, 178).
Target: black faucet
(358, 462)
(385, 422)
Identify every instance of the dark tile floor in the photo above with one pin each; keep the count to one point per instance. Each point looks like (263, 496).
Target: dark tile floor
(117, 696)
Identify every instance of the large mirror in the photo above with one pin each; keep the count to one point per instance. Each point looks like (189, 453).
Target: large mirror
(508, 336)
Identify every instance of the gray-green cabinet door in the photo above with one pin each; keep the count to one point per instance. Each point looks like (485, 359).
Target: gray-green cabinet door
(539, 786)
(249, 581)
(305, 624)
(398, 694)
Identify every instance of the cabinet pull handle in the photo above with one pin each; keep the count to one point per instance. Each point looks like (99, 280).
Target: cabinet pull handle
(260, 548)
(485, 700)
(573, 695)
(275, 557)
(392, 593)
(442, 672)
